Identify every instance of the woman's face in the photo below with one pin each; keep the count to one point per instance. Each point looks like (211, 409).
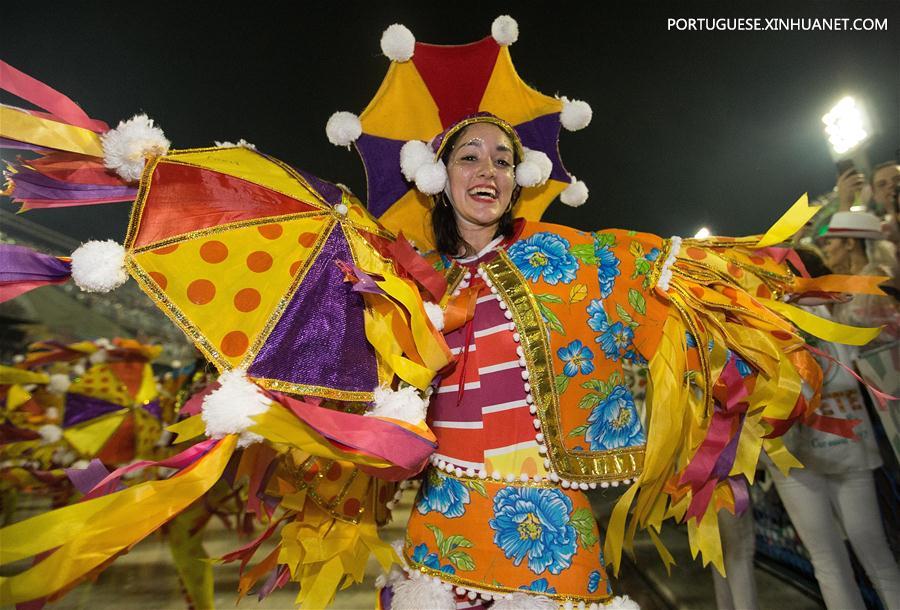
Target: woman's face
(481, 175)
(836, 253)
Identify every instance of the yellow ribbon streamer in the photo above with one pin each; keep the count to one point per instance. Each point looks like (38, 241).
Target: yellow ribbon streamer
(16, 397)
(189, 428)
(792, 221)
(24, 127)
(10, 375)
(90, 437)
(90, 533)
(822, 328)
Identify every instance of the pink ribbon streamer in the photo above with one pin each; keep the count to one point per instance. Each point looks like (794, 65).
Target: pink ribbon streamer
(881, 397)
(180, 461)
(32, 90)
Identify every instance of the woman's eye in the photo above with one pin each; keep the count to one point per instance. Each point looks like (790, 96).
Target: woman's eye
(504, 163)
(468, 158)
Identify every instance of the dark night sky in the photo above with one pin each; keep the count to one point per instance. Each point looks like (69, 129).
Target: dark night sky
(690, 128)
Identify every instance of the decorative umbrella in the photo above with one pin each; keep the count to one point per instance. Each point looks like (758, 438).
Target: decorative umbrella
(249, 257)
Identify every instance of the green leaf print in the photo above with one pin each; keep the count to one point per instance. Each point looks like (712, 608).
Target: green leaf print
(625, 316)
(578, 430)
(551, 318)
(584, 253)
(562, 383)
(637, 301)
(602, 240)
(589, 401)
(461, 561)
(454, 542)
(548, 298)
(476, 486)
(583, 522)
(438, 536)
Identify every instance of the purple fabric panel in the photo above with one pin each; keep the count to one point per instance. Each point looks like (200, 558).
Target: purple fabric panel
(489, 315)
(386, 596)
(726, 458)
(81, 408)
(330, 192)
(384, 181)
(154, 409)
(84, 479)
(543, 134)
(741, 494)
(15, 144)
(320, 339)
(34, 185)
(18, 263)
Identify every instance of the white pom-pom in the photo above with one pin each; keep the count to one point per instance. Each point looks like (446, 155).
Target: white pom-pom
(575, 194)
(575, 114)
(242, 143)
(398, 43)
(523, 601)
(78, 369)
(534, 170)
(98, 357)
(404, 404)
(126, 147)
(99, 266)
(431, 177)
(343, 128)
(80, 465)
(413, 155)
(622, 602)
(59, 383)
(50, 433)
(435, 314)
(228, 409)
(505, 30)
(51, 413)
(419, 593)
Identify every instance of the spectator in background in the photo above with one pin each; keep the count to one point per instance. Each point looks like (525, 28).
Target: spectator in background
(837, 478)
(880, 196)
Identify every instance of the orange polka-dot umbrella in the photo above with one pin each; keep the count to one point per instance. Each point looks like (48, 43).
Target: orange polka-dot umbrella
(243, 252)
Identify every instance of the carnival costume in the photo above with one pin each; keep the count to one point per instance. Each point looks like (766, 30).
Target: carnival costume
(529, 409)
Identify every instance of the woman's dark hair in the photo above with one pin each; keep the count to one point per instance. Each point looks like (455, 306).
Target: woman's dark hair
(443, 221)
(813, 261)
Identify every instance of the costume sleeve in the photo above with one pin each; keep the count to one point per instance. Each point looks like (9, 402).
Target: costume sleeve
(728, 374)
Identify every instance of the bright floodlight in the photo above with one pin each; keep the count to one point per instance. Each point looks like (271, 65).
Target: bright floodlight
(845, 125)
(702, 233)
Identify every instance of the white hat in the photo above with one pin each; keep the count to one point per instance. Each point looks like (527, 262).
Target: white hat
(854, 224)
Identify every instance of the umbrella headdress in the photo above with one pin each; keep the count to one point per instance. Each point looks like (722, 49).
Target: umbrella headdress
(433, 87)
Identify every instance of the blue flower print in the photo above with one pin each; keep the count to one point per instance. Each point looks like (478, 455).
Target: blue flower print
(598, 320)
(442, 495)
(422, 556)
(690, 340)
(534, 524)
(632, 355)
(593, 581)
(578, 358)
(743, 368)
(607, 270)
(616, 340)
(544, 254)
(652, 255)
(539, 586)
(614, 422)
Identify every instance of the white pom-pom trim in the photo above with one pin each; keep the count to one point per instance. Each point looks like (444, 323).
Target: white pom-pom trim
(242, 143)
(435, 314)
(575, 194)
(99, 266)
(398, 43)
(404, 404)
(622, 602)
(98, 357)
(228, 409)
(431, 178)
(419, 593)
(534, 170)
(524, 601)
(413, 155)
(665, 274)
(505, 30)
(59, 383)
(50, 433)
(126, 147)
(343, 128)
(575, 114)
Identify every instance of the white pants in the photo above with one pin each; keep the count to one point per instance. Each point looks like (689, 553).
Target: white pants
(813, 501)
(737, 591)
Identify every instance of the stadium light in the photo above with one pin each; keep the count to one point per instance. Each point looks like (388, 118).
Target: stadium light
(846, 125)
